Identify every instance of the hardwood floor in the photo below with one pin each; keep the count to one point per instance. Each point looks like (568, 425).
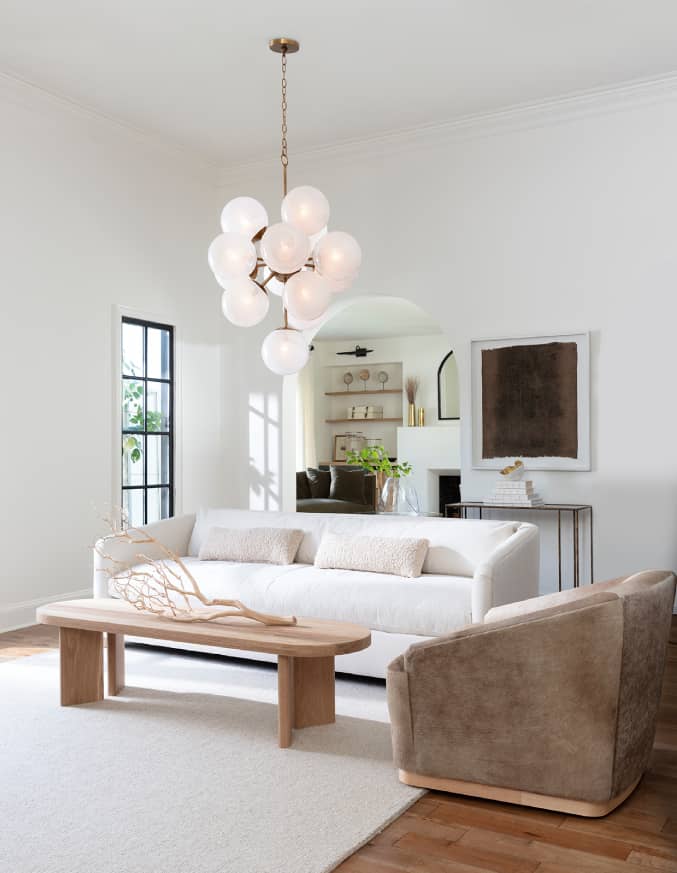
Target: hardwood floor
(445, 833)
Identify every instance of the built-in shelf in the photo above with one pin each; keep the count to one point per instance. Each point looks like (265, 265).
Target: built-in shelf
(359, 393)
(360, 420)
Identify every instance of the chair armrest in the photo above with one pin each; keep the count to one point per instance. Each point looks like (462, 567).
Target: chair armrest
(509, 574)
(528, 704)
(174, 533)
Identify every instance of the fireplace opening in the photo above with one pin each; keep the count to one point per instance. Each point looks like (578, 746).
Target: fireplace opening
(449, 490)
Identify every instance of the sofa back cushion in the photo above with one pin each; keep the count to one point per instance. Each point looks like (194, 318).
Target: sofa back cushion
(347, 484)
(302, 486)
(456, 546)
(319, 482)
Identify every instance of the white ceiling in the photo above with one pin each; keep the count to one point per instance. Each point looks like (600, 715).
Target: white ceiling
(199, 73)
(378, 318)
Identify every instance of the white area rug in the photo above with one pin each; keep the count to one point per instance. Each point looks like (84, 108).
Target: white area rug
(155, 781)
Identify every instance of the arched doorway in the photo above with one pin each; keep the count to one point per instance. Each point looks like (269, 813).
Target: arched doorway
(353, 393)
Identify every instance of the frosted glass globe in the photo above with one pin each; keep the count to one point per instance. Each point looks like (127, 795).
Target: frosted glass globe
(285, 351)
(307, 295)
(244, 303)
(243, 215)
(300, 324)
(284, 248)
(306, 208)
(231, 255)
(337, 255)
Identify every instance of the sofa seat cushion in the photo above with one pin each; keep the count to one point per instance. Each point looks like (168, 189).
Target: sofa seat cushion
(427, 606)
(326, 504)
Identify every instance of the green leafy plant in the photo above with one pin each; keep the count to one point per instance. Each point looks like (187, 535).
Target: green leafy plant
(133, 415)
(374, 459)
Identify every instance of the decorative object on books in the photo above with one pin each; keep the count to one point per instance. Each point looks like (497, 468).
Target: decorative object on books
(514, 471)
(531, 398)
(382, 377)
(348, 378)
(163, 585)
(296, 258)
(411, 388)
(364, 378)
(398, 496)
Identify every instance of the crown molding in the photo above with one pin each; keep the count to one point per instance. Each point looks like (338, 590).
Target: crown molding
(33, 98)
(524, 116)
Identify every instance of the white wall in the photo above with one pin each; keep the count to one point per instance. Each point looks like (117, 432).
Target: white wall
(556, 220)
(93, 216)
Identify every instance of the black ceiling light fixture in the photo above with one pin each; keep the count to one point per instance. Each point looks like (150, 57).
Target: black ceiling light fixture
(358, 351)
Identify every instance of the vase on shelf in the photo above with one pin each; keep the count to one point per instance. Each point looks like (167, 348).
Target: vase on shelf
(411, 421)
(421, 416)
(399, 497)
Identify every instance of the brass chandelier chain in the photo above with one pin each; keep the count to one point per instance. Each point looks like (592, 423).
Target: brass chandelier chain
(284, 158)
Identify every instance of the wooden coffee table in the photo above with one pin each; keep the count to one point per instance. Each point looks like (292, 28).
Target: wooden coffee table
(305, 653)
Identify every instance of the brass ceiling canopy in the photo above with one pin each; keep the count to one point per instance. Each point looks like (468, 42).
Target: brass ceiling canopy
(282, 44)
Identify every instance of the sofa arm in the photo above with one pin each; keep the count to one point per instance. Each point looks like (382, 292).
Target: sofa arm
(528, 704)
(509, 574)
(174, 533)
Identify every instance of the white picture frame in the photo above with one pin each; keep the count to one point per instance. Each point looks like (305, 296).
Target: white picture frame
(579, 463)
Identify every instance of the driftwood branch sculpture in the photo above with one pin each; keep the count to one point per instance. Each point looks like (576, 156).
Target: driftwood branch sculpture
(165, 586)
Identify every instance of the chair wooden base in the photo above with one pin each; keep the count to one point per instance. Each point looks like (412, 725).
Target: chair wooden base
(522, 798)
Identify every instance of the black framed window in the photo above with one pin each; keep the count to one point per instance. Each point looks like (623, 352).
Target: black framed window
(147, 420)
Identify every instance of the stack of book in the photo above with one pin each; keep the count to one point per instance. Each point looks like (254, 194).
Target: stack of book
(514, 492)
(365, 412)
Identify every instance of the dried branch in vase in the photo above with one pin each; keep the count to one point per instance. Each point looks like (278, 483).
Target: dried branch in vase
(165, 586)
(411, 387)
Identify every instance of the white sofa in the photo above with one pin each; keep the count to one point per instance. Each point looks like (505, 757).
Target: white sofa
(471, 566)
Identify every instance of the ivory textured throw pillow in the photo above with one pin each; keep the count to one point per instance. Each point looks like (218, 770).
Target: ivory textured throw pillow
(256, 545)
(399, 556)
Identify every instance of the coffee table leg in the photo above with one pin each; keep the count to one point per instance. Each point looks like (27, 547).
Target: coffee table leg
(285, 699)
(314, 692)
(81, 656)
(116, 663)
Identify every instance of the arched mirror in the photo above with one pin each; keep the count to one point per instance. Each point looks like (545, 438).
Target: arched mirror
(447, 389)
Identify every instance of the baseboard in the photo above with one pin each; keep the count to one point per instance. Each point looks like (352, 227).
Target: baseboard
(17, 615)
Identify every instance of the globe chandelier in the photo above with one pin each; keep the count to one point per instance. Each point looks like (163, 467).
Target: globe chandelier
(297, 258)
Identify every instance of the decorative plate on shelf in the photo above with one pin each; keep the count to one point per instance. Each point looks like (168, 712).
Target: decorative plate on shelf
(382, 377)
(364, 377)
(348, 378)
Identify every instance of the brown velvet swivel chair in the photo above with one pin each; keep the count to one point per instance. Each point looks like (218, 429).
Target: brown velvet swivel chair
(551, 702)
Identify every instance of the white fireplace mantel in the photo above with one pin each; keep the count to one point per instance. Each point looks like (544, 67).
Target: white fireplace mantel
(431, 451)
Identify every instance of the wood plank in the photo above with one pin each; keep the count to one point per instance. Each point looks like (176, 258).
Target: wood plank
(115, 656)
(314, 638)
(285, 700)
(361, 393)
(81, 666)
(314, 692)
(474, 856)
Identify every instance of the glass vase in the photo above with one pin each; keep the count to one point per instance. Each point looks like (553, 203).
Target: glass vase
(399, 497)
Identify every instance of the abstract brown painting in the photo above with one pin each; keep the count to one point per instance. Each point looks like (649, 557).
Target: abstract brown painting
(530, 401)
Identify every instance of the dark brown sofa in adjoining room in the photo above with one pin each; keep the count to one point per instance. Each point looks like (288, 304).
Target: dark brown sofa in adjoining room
(335, 489)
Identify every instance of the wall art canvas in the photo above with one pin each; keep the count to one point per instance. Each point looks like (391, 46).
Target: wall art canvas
(531, 400)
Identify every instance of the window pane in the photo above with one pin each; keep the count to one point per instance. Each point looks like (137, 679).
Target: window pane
(132, 405)
(132, 459)
(132, 502)
(157, 406)
(158, 460)
(158, 353)
(132, 349)
(158, 503)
